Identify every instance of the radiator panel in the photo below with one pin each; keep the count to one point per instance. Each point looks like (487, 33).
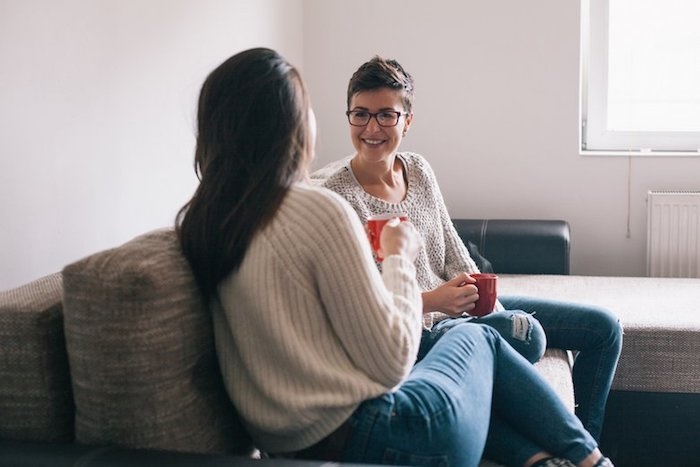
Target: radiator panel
(673, 234)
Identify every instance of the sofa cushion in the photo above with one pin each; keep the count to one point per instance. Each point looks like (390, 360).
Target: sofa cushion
(141, 349)
(555, 368)
(659, 316)
(36, 402)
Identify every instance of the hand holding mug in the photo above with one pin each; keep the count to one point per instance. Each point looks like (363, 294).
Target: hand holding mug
(391, 234)
(454, 297)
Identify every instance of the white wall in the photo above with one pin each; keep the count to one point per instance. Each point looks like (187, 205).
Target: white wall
(496, 115)
(97, 115)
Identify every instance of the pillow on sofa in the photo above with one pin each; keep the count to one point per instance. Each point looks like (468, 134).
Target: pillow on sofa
(36, 402)
(141, 350)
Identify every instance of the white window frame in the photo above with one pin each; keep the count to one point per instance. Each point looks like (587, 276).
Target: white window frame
(594, 136)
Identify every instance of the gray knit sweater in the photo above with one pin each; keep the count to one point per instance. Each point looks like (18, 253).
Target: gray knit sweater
(308, 328)
(444, 255)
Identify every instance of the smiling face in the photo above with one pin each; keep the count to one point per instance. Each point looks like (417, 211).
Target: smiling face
(372, 141)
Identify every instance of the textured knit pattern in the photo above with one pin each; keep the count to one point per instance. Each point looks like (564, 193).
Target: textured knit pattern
(296, 332)
(444, 255)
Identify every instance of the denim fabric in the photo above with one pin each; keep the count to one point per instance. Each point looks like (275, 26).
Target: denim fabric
(523, 332)
(597, 336)
(441, 413)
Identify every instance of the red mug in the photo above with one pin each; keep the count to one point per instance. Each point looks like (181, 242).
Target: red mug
(375, 224)
(486, 285)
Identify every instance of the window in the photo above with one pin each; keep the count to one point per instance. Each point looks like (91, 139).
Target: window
(640, 77)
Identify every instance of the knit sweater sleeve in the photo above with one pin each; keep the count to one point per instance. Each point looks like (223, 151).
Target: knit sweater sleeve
(457, 258)
(357, 297)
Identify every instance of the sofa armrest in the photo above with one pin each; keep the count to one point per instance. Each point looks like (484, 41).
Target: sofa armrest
(519, 246)
(36, 397)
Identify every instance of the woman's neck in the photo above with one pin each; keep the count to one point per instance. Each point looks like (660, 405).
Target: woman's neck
(385, 179)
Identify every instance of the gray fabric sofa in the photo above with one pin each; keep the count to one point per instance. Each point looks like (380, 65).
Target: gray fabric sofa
(113, 357)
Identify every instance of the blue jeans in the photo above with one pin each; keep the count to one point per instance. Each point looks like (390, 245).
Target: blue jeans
(523, 332)
(596, 334)
(441, 414)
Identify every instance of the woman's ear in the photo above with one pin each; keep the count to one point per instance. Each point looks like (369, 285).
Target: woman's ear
(407, 124)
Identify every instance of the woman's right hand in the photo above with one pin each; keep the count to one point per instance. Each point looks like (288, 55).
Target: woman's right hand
(400, 238)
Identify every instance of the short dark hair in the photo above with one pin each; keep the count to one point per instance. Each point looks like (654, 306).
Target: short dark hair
(253, 138)
(382, 73)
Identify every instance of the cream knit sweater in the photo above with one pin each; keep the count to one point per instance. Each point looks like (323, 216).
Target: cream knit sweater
(308, 328)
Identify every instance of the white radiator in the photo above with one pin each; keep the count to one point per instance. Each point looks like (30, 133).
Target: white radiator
(673, 234)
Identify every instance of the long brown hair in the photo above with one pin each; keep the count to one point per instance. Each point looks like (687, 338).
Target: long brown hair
(253, 138)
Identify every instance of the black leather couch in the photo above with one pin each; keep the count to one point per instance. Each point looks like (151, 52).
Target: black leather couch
(516, 246)
(509, 246)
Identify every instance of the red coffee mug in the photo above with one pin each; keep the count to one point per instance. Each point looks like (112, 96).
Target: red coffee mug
(375, 224)
(486, 284)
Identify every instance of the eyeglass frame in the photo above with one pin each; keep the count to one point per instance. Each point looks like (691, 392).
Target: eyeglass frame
(396, 112)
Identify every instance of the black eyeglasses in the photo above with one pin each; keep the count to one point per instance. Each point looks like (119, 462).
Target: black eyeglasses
(385, 118)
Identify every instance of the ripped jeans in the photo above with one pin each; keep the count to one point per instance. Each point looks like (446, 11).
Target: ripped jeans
(523, 332)
(593, 332)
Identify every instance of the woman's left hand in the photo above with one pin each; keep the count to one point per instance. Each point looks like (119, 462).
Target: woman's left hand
(454, 298)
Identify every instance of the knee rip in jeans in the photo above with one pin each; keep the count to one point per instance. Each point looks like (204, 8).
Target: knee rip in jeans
(521, 328)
